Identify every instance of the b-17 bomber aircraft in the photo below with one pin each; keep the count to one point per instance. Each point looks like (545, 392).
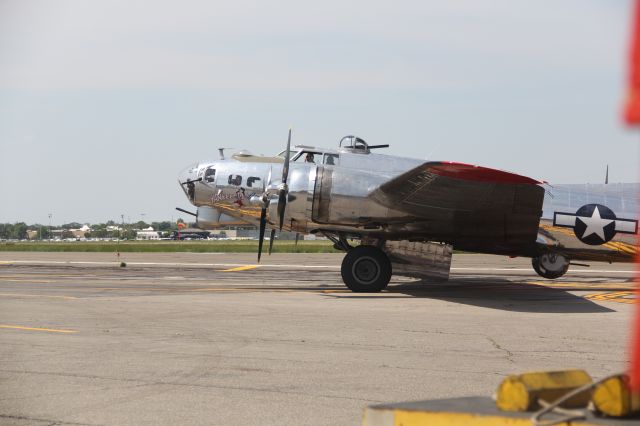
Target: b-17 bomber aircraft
(410, 214)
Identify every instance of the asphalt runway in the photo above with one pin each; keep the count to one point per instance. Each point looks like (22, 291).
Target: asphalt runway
(185, 338)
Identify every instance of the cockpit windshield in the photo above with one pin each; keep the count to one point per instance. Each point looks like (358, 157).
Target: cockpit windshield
(316, 157)
(283, 152)
(306, 156)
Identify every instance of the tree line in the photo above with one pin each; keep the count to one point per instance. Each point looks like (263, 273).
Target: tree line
(19, 230)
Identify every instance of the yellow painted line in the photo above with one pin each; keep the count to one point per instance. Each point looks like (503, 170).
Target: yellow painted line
(266, 290)
(13, 280)
(241, 268)
(624, 247)
(235, 290)
(5, 263)
(583, 285)
(138, 289)
(50, 330)
(37, 295)
(617, 297)
(250, 290)
(612, 295)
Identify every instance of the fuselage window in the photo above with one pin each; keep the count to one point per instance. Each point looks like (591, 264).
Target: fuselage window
(251, 180)
(210, 175)
(235, 180)
(331, 159)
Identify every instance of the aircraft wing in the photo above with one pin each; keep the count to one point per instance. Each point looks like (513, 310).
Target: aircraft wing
(462, 202)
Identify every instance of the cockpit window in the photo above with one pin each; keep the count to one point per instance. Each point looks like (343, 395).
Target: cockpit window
(210, 175)
(235, 180)
(309, 157)
(331, 159)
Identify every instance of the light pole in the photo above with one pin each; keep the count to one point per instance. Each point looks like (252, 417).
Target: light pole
(119, 236)
(49, 227)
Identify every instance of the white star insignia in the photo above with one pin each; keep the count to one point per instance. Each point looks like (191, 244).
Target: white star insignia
(595, 224)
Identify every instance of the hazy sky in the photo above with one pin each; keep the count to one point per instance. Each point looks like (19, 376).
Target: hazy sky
(103, 103)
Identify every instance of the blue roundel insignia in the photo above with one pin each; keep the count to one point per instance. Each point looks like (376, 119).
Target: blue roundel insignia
(595, 224)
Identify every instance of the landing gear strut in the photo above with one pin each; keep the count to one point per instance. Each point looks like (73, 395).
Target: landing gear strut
(550, 265)
(366, 269)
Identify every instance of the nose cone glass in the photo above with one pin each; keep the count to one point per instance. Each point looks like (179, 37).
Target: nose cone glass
(188, 174)
(185, 178)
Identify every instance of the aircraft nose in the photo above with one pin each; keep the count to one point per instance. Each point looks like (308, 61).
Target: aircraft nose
(188, 174)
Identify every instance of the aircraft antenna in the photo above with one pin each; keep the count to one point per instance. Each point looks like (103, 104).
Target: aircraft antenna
(221, 151)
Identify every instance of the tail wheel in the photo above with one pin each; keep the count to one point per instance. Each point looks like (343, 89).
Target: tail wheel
(366, 269)
(550, 265)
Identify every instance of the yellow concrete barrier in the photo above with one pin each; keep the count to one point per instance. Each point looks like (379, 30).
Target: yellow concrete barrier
(468, 411)
(614, 398)
(521, 392)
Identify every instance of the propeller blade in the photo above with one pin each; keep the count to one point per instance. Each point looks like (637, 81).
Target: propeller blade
(267, 182)
(287, 157)
(284, 191)
(273, 234)
(282, 204)
(263, 225)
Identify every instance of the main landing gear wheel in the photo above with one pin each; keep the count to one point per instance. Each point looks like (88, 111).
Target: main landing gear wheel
(550, 265)
(366, 269)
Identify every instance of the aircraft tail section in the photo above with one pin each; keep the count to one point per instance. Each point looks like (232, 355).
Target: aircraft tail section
(591, 221)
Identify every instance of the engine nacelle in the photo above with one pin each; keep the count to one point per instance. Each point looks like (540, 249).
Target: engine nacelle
(207, 217)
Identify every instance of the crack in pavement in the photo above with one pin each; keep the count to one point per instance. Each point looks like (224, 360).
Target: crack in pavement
(49, 422)
(509, 354)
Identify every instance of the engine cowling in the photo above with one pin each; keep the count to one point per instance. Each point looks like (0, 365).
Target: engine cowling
(207, 217)
(212, 218)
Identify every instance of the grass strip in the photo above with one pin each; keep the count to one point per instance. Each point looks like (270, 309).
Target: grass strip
(242, 246)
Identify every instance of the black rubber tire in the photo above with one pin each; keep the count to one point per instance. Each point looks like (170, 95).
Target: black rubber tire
(546, 273)
(366, 269)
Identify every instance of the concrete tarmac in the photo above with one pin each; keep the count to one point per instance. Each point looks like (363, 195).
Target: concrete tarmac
(185, 338)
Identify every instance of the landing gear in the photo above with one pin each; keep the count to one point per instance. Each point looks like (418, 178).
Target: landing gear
(550, 265)
(366, 269)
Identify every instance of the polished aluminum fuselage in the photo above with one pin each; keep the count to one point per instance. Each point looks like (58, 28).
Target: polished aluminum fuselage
(332, 197)
(335, 198)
